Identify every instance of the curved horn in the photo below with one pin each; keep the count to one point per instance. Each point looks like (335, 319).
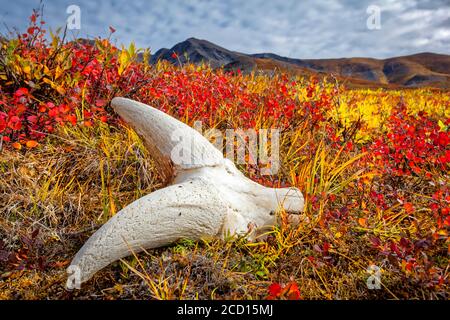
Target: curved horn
(167, 139)
(192, 209)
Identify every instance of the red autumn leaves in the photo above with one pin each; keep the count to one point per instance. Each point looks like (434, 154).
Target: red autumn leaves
(289, 291)
(413, 145)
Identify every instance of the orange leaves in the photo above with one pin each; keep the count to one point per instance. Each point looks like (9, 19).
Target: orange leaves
(31, 144)
(72, 119)
(16, 145)
(407, 266)
(42, 108)
(409, 208)
(288, 292)
(362, 222)
(60, 264)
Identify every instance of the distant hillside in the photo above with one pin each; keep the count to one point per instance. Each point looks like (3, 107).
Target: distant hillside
(418, 70)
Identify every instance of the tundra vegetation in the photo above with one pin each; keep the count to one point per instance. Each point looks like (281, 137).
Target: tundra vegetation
(371, 163)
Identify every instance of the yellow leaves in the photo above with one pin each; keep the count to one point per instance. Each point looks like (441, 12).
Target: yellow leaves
(442, 126)
(132, 50)
(47, 71)
(55, 38)
(112, 205)
(362, 136)
(58, 72)
(54, 74)
(123, 62)
(146, 57)
(373, 108)
(22, 66)
(60, 90)
(55, 86)
(126, 56)
(27, 70)
(363, 205)
(48, 81)
(119, 288)
(38, 72)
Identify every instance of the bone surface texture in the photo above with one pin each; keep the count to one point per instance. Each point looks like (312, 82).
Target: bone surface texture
(207, 196)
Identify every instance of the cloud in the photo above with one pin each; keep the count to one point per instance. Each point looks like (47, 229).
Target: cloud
(306, 29)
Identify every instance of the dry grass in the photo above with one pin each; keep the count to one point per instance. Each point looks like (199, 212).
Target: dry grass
(80, 177)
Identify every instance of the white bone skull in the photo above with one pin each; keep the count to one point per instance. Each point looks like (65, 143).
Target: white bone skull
(208, 197)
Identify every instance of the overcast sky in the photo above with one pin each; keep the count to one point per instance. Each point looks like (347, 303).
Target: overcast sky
(293, 28)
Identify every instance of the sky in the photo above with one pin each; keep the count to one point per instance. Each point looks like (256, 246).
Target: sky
(292, 28)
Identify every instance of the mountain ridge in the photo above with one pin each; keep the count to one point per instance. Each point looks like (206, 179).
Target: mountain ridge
(425, 69)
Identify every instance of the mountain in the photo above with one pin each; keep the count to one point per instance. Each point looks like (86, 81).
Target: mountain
(417, 70)
(198, 51)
